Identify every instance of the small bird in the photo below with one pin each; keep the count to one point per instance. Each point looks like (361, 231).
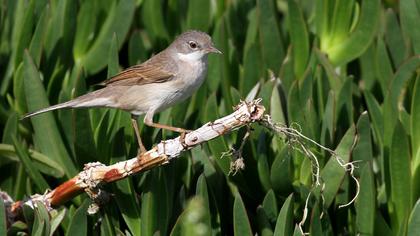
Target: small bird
(148, 88)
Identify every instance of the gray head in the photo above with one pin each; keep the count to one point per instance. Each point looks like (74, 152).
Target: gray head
(194, 45)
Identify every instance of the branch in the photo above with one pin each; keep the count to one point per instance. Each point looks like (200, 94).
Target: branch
(95, 175)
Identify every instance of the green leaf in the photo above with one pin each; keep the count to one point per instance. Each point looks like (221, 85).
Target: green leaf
(263, 223)
(10, 130)
(294, 104)
(152, 17)
(316, 223)
(107, 225)
(24, 34)
(363, 149)
(125, 195)
(409, 16)
(270, 206)
(36, 45)
(42, 162)
(118, 21)
(400, 171)
(297, 231)
(416, 174)
(102, 138)
(252, 61)
(29, 215)
(361, 37)
(3, 218)
(328, 123)
(375, 115)
(390, 106)
(280, 172)
(224, 64)
(383, 66)
(136, 48)
(38, 228)
(252, 69)
(78, 223)
(155, 206)
(42, 220)
(196, 17)
(19, 90)
(60, 20)
(333, 173)
(381, 226)
(298, 37)
(20, 39)
(367, 61)
(254, 92)
(344, 109)
(192, 220)
(29, 167)
(113, 64)
(56, 220)
(81, 125)
(415, 124)
(17, 227)
(322, 21)
(241, 225)
(47, 136)
(287, 74)
(201, 190)
(276, 109)
(365, 203)
(85, 30)
(414, 220)
(336, 82)
(270, 39)
(284, 224)
(341, 20)
(394, 38)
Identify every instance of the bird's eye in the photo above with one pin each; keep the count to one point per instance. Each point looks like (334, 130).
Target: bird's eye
(192, 44)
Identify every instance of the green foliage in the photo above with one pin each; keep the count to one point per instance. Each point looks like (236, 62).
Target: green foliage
(344, 73)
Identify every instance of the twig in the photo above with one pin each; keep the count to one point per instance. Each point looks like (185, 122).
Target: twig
(305, 215)
(237, 163)
(296, 137)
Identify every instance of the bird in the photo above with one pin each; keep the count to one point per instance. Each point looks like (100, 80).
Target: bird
(162, 81)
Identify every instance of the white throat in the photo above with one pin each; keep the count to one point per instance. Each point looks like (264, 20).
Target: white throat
(191, 57)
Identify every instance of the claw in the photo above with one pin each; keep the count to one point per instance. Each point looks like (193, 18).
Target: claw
(182, 138)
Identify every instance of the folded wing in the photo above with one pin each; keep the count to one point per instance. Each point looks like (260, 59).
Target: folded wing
(138, 75)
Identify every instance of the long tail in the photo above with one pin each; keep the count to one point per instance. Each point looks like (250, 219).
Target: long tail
(51, 108)
(87, 100)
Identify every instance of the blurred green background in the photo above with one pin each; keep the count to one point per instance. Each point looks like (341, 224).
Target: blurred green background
(343, 72)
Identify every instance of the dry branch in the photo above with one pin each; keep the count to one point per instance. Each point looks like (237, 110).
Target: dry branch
(97, 174)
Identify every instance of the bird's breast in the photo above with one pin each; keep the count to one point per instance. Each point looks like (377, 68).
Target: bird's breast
(158, 96)
(191, 75)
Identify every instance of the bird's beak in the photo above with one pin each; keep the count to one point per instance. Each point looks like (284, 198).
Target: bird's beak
(214, 50)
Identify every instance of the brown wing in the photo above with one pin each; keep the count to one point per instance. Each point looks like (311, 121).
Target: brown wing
(137, 75)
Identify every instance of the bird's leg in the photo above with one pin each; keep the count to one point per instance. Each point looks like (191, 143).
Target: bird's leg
(136, 130)
(148, 120)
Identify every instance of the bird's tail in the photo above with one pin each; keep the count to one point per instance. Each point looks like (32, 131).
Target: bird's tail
(83, 101)
(68, 104)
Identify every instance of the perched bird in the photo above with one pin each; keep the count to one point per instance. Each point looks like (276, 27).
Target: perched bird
(148, 88)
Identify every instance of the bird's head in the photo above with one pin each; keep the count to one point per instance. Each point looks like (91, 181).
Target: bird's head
(193, 46)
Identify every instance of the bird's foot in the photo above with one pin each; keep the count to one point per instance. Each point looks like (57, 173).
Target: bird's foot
(182, 138)
(140, 152)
